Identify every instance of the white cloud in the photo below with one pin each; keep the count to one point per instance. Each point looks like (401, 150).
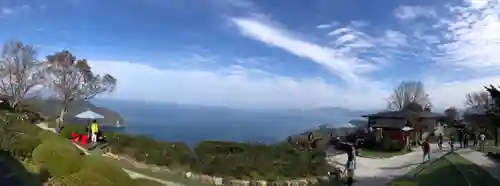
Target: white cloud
(472, 37)
(235, 86)
(412, 12)
(324, 26)
(7, 11)
(340, 62)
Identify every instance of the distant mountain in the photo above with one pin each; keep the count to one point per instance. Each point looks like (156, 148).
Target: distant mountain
(52, 108)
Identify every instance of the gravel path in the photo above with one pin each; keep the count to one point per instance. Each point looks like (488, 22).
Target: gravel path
(374, 172)
(481, 160)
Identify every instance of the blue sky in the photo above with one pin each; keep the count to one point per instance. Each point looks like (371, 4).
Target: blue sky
(270, 54)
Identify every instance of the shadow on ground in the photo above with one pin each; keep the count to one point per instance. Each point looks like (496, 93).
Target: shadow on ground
(13, 173)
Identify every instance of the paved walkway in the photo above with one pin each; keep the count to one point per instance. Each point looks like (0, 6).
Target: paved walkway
(481, 160)
(375, 172)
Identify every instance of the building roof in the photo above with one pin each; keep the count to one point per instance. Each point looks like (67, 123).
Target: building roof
(390, 124)
(404, 114)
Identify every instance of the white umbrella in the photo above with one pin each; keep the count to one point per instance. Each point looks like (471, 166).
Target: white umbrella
(406, 129)
(89, 115)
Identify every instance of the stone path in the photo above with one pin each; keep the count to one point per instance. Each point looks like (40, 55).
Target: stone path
(481, 160)
(375, 172)
(132, 174)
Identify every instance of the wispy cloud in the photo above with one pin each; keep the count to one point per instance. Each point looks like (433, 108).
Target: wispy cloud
(338, 61)
(412, 12)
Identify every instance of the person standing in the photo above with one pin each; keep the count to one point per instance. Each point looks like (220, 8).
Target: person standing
(474, 139)
(461, 138)
(482, 141)
(466, 140)
(452, 143)
(426, 147)
(440, 141)
(94, 127)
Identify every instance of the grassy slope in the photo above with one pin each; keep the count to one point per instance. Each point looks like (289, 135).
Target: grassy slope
(448, 171)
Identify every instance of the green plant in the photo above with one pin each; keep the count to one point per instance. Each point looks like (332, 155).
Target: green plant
(69, 128)
(109, 171)
(23, 146)
(82, 178)
(58, 157)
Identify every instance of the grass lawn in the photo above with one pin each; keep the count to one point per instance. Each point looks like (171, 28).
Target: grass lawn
(163, 175)
(452, 169)
(374, 153)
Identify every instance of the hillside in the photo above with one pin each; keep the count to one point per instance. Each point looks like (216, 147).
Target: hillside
(51, 108)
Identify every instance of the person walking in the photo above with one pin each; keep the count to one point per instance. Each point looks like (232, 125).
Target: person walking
(349, 168)
(440, 141)
(474, 139)
(426, 147)
(482, 141)
(466, 140)
(94, 128)
(452, 143)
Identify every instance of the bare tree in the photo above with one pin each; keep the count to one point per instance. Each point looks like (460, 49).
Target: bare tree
(73, 80)
(480, 101)
(409, 92)
(20, 72)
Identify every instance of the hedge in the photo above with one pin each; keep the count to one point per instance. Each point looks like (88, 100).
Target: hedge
(112, 173)
(58, 157)
(258, 161)
(68, 128)
(150, 151)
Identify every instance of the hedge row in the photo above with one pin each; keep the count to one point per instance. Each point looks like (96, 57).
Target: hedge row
(58, 159)
(224, 159)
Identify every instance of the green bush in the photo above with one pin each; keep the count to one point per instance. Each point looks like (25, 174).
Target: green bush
(150, 151)
(68, 128)
(58, 157)
(258, 161)
(111, 172)
(24, 145)
(82, 178)
(29, 129)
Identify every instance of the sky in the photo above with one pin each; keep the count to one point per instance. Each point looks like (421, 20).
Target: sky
(270, 54)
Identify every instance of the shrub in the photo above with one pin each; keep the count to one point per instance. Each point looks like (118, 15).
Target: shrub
(258, 161)
(109, 171)
(24, 145)
(28, 129)
(82, 178)
(150, 151)
(45, 135)
(58, 157)
(68, 128)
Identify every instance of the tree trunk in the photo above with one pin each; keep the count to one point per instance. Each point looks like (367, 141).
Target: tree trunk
(60, 120)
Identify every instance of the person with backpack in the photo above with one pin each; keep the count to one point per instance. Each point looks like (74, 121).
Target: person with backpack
(426, 147)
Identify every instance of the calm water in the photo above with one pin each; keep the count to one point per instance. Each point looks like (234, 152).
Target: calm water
(194, 124)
